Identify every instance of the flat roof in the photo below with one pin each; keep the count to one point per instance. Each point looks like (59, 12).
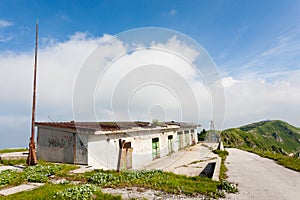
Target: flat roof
(97, 126)
(114, 126)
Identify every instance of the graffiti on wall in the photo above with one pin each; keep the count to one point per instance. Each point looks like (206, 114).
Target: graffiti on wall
(82, 148)
(60, 141)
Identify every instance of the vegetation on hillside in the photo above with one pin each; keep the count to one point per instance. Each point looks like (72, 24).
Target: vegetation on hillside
(276, 139)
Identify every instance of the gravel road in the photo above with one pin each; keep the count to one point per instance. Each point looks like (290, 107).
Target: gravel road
(260, 178)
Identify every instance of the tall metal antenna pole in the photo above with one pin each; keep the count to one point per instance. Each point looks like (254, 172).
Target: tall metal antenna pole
(32, 160)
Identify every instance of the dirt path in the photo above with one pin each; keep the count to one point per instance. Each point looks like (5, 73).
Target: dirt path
(261, 178)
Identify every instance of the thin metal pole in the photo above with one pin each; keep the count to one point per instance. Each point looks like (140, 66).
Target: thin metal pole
(31, 160)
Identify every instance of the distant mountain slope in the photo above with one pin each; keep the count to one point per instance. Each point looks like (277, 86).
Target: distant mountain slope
(271, 135)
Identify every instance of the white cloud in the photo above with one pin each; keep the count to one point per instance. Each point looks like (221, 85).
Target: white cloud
(228, 82)
(58, 66)
(178, 46)
(149, 78)
(59, 63)
(4, 23)
(256, 99)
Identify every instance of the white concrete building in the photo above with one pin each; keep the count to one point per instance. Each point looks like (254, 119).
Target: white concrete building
(112, 145)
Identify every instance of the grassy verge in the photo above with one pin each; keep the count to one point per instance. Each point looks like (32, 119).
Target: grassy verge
(286, 161)
(155, 179)
(13, 150)
(223, 168)
(225, 185)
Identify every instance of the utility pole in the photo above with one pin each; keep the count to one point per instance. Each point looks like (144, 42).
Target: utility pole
(32, 160)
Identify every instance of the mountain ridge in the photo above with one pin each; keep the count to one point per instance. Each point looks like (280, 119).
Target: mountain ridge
(269, 135)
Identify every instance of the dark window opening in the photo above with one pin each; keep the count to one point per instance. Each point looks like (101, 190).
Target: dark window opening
(127, 145)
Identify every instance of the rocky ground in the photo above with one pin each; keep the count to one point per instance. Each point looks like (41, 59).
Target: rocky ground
(141, 193)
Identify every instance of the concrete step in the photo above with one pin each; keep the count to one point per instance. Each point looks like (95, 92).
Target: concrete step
(20, 188)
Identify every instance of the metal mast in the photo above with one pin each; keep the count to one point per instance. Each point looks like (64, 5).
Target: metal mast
(32, 160)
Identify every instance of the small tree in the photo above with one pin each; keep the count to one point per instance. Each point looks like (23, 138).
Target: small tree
(202, 135)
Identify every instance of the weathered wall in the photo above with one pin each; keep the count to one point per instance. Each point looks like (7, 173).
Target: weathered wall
(55, 145)
(102, 152)
(81, 155)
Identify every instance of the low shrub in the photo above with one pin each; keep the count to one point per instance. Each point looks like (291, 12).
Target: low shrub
(40, 173)
(228, 187)
(83, 192)
(8, 176)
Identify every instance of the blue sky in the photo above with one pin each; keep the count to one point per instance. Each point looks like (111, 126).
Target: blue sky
(255, 45)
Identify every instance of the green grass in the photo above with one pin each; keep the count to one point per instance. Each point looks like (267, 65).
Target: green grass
(13, 150)
(48, 191)
(223, 168)
(13, 162)
(10, 178)
(155, 179)
(86, 191)
(38, 173)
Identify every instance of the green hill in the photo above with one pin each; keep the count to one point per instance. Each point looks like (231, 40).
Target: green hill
(272, 136)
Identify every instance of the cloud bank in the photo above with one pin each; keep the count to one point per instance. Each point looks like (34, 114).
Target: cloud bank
(248, 99)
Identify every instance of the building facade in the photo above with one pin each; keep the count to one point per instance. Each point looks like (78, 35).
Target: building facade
(112, 145)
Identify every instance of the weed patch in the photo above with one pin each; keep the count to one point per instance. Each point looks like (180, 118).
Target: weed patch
(223, 168)
(40, 173)
(156, 179)
(8, 177)
(228, 187)
(83, 192)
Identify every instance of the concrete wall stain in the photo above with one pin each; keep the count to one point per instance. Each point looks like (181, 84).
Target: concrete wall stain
(59, 141)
